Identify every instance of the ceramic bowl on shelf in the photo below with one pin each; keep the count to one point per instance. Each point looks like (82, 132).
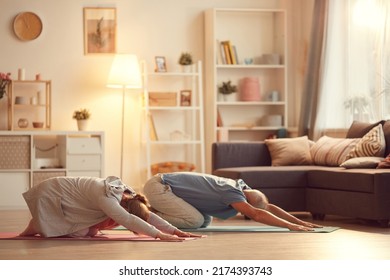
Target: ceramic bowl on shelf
(37, 124)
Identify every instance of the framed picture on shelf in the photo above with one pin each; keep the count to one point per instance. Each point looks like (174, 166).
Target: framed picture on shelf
(185, 97)
(99, 30)
(161, 65)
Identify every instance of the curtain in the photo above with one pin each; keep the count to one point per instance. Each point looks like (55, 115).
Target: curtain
(314, 68)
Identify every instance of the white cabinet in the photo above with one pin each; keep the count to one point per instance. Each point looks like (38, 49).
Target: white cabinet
(84, 156)
(173, 120)
(258, 40)
(29, 157)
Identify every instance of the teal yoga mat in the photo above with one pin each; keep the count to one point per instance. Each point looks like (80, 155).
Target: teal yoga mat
(258, 229)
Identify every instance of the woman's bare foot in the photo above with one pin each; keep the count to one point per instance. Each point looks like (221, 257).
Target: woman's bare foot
(30, 230)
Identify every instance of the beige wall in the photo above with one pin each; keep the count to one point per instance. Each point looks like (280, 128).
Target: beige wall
(145, 27)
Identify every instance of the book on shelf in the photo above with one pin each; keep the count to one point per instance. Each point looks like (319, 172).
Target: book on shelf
(227, 52)
(219, 119)
(152, 128)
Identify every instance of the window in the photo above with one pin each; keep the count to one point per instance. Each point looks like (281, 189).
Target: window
(356, 76)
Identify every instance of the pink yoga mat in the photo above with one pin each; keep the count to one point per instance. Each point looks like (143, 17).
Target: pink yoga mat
(101, 237)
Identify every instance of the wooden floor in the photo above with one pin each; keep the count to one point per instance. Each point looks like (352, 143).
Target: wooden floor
(355, 240)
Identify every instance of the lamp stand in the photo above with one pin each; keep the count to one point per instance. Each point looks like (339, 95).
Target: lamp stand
(123, 130)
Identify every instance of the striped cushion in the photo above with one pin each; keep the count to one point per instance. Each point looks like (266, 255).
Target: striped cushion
(371, 145)
(329, 151)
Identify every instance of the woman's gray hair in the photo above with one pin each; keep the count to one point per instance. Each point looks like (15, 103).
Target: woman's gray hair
(256, 198)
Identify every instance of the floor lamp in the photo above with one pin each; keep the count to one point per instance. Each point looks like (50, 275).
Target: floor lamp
(125, 73)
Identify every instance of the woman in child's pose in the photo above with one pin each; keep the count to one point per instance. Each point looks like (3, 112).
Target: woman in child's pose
(81, 206)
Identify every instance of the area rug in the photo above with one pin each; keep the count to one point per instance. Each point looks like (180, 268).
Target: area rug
(102, 237)
(258, 229)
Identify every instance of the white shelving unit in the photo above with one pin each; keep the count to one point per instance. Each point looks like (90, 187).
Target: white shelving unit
(173, 120)
(254, 33)
(29, 157)
(29, 100)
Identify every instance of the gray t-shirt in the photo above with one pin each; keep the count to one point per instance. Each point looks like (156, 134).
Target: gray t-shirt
(209, 194)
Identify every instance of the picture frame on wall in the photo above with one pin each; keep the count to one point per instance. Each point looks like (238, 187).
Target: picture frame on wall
(99, 30)
(161, 65)
(185, 97)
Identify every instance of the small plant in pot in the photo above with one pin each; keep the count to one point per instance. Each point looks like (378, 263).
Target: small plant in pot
(185, 60)
(226, 89)
(82, 116)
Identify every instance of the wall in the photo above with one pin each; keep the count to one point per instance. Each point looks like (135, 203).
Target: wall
(144, 27)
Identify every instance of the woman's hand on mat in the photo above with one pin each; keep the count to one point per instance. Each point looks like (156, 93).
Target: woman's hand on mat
(166, 236)
(180, 233)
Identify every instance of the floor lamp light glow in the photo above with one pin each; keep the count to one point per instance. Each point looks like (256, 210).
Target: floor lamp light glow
(125, 74)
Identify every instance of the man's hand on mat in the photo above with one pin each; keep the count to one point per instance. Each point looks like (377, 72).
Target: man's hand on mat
(180, 233)
(311, 225)
(165, 236)
(295, 227)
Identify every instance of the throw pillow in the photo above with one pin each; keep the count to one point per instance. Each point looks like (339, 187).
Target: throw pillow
(384, 163)
(386, 131)
(329, 151)
(371, 145)
(362, 162)
(289, 151)
(359, 129)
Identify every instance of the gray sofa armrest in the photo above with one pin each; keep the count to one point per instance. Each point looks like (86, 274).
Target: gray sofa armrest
(239, 154)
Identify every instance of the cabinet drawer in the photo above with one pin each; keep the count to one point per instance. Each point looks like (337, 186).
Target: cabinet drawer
(81, 145)
(83, 162)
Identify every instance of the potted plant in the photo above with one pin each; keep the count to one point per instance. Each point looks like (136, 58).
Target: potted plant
(186, 61)
(226, 89)
(82, 116)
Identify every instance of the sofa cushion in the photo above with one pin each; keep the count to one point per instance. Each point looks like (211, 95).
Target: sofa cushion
(259, 177)
(329, 151)
(289, 151)
(362, 162)
(386, 132)
(338, 178)
(359, 129)
(370, 145)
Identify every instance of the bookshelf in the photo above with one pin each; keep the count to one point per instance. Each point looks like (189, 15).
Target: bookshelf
(173, 131)
(256, 40)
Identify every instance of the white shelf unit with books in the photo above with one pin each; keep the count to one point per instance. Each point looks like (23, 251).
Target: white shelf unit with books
(258, 44)
(173, 130)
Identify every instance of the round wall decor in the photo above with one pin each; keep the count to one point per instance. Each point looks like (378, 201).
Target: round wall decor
(27, 26)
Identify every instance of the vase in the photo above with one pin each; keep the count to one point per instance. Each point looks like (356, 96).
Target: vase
(186, 68)
(23, 123)
(229, 97)
(82, 125)
(250, 89)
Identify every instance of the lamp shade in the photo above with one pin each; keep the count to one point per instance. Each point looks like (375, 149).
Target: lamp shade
(125, 72)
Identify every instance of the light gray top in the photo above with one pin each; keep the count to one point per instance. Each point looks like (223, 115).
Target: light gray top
(64, 205)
